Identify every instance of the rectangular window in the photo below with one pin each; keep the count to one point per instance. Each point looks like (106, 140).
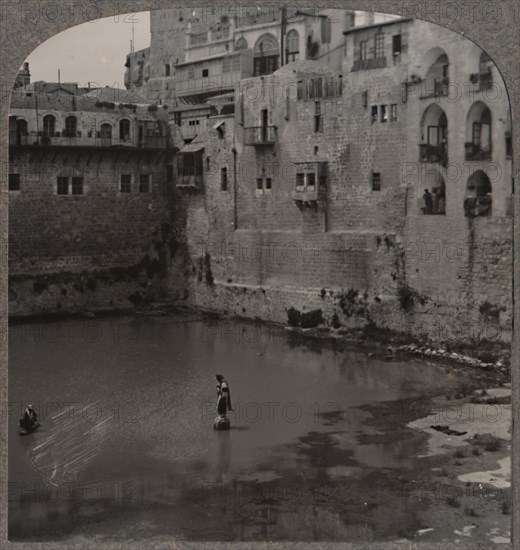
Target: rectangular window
(223, 178)
(14, 182)
(396, 44)
(259, 183)
(144, 183)
(77, 185)
(379, 45)
(384, 113)
(364, 99)
(268, 183)
(376, 181)
(177, 118)
(318, 122)
(126, 183)
(167, 70)
(300, 181)
(393, 111)
(363, 49)
(311, 181)
(373, 114)
(205, 73)
(63, 185)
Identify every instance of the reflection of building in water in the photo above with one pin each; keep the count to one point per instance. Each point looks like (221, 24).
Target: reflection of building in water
(289, 129)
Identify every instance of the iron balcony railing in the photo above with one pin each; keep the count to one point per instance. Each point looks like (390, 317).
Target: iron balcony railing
(260, 135)
(475, 152)
(433, 153)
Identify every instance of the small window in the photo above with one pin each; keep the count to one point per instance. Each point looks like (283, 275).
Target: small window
(62, 185)
(373, 115)
(144, 183)
(376, 181)
(300, 181)
(126, 183)
(363, 49)
(311, 180)
(259, 183)
(205, 73)
(14, 182)
(223, 179)
(77, 185)
(384, 113)
(167, 70)
(396, 44)
(364, 99)
(318, 121)
(268, 183)
(393, 111)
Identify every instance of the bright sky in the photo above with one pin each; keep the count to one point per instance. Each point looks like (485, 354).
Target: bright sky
(93, 52)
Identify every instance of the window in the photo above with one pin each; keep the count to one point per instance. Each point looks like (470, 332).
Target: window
(49, 125)
(14, 182)
(292, 53)
(311, 181)
(268, 183)
(144, 183)
(71, 126)
(376, 181)
(126, 183)
(364, 98)
(259, 183)
(393, 111)
(124, 129)
(177, 118)
(62, 185)
(396, 44)
(266, 55)
(379, 45)
(300, 181)
(77, 185)
(363, 49)
(318, 122)
(167, 70)
(384, 113)
(241, 44)
(105, 131)
(205, 73)
(509, 145)
(223, 178)
(373, 115)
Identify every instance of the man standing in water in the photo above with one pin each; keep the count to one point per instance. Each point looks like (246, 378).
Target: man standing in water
(223, 390)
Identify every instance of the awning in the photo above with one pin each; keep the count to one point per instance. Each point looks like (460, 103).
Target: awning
(192, 148)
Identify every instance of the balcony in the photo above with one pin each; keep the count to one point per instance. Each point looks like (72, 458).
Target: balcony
(311, 181)
(433, 153)
(260, 135)
(39, 139)
(213, 83)
(153, 142)
(475, 152)
(187, 179)
(435, 87)
(367, 64)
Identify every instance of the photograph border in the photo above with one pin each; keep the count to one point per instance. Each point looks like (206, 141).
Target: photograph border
(493, 26)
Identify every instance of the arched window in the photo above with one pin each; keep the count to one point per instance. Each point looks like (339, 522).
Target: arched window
(105, 131)
(292, 52)
(485, 77)
(478, 200)
(124, 129)
(433, 200)
(22, 131)
(436, 82)
(71, 125)
(478, 132)
(434, 135)
(241, 44)
(266, 54)
(49, 125)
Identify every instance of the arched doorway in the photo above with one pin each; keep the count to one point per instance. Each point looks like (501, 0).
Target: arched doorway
(434, 136)
(478, 132)
(478, 200)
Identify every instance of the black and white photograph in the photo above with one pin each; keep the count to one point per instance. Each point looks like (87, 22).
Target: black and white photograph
(260, 280)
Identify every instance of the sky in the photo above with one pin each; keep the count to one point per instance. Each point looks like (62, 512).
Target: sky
(93, 52)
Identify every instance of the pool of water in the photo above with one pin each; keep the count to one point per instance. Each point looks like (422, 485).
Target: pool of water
(126, 446)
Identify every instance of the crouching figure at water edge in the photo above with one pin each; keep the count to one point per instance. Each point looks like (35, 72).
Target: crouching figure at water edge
(223, 403)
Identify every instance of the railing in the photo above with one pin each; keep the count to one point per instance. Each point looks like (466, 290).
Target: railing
(478, 206)
(433, 153)
(367, 64)
(199, 38)
(434, 87)
(475, 152)
(153, 142)
(43, 140)
(186, 178)
(260, 135)
(211, 83)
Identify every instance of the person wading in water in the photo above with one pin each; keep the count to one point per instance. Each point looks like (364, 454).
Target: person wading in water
(223, 392)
